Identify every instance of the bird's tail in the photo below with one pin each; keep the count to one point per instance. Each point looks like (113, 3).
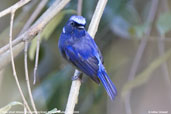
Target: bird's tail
(107, 83)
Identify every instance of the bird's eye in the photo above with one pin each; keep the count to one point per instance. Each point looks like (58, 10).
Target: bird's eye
(72, 23)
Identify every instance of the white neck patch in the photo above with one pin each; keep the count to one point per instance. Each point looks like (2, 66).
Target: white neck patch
(78, 19)
(63, 30)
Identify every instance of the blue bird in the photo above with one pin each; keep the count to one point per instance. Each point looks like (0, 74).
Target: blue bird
(79, 48)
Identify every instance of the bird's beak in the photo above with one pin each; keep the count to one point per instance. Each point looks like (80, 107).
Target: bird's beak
(80, 27)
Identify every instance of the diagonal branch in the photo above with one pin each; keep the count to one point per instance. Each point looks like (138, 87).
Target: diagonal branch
(37, 11)
(14, 7)
(75, 87)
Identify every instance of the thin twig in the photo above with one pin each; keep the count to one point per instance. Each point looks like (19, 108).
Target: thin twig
(37, 11)
(37, 58)
(34, 15)
(140, 51)
(32, 31)
(13, 64)
(27, 77)
(14, 7)
(74, 91)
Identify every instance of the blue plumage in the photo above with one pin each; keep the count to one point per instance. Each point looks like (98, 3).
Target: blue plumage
(78, 47)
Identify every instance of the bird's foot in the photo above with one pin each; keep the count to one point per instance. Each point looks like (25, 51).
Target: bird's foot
(77, 76)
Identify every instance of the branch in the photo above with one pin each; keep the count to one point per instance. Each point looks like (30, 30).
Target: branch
(14, 7)
(37, 11)
(30, 33)
(37, 58)
(26, 26)
(34, 15)
(74, 91)
(27, 77)
(13, 64)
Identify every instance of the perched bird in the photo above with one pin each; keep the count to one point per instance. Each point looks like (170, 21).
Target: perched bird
(79, 48)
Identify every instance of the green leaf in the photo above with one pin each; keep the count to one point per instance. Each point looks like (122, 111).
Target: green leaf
(121, 22)
(32, 48)
(145, 75)
(138, 30)
(54, 111)
(47, 31)
(6, 108)
(164, 23)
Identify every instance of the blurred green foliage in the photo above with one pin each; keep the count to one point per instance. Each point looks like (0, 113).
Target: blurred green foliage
(121, 20)
(145, 75)
(164, 23)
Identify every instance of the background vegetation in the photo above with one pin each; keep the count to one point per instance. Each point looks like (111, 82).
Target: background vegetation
(134, 37)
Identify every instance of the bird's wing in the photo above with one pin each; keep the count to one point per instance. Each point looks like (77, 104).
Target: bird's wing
(96, 47)
(81, 54)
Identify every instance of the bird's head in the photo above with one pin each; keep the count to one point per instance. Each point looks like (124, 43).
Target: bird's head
(75, 23)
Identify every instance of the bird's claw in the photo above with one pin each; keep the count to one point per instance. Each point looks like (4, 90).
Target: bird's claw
(77, 77)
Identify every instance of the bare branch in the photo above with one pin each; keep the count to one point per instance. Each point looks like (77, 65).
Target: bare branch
(96, 17)
(34, 29)
(27, 77)
(34, 15)
(73, 95)
(14, 7)
(74, 91)
(37, 58)
(13, 64)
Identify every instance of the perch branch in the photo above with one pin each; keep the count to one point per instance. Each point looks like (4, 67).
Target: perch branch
(74, 91)
(13, 64)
